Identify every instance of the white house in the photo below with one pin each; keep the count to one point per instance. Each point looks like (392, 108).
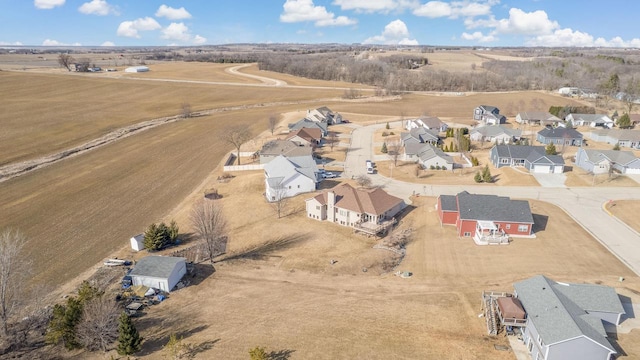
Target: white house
(287, 177)
(601, 161)
(592, 120)
(495, 134)
(159, 272)
(430, 123)
(324, 114)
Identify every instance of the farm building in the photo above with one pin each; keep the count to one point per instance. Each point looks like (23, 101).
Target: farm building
(136, 69)
(601, 161)
(137, 242)
(488, 219)
(566, 321)
(159, 272)
(533, 158)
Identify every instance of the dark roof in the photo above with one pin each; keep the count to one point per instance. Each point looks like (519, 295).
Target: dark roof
(560, 132)
(489, 108)
(156, 266)
(493, 208)
(448, 203)
(518, 151)
(306, 123)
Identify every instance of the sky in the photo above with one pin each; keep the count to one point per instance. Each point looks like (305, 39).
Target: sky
(591, 23)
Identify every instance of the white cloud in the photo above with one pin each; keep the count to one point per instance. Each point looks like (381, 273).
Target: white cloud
(199, 40)
(176, 31)
(47, 4)
(107, 43)
(304, 10)
(526, 23)
(454, 9)
(49, 42)
(17, 43)
(381, 6)
(478, 36)
(172, 13)
(396, 32)
(131, 28)
(97, 7)
(570, 37)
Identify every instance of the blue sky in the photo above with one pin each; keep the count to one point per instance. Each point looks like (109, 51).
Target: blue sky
(411, 22)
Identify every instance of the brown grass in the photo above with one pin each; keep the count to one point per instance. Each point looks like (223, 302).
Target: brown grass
(627, 211)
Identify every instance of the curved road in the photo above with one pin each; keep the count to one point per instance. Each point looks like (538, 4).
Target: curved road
(267, 81)
(584, 204)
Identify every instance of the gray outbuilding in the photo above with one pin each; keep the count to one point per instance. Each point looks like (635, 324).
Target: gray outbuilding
(159, 272)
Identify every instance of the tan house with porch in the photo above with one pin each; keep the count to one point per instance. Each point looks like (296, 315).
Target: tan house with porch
(368, 210)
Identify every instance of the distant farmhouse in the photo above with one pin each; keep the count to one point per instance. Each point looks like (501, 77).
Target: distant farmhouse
(533, 158)
(538, 118)
(488, 115)
(371, 211)
(488, 219)
(604, 161)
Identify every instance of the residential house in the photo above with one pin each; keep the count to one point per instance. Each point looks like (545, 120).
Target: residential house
(369, 210)
(592, 120)
(538, 118)
(602, 161)
(533, 158)
(159, 272)
(429, 122)
(496, 134)
(306, 123)
(486, 218)
(560, 136)
(488, 115)
(622, 137)
(428, 156)
(286, 177)
(324, 114)
(419, 135)
(566, 321)
(288, 148)
(306, 137)
(635, 119)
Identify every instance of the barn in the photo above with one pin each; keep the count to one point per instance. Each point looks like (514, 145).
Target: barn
(159, 272)
(136, 69)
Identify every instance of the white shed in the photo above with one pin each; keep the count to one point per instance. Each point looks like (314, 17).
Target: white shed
(159, 272)
(137, 242)
(136, 69)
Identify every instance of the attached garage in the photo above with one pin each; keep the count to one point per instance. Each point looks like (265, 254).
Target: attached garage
(159, 272)
(632, 171)
(542, 169)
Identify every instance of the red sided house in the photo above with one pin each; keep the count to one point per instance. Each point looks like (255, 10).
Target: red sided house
(489, 219)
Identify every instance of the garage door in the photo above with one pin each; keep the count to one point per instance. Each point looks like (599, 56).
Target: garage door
(542, 169)
(558, 169)
(633, 171)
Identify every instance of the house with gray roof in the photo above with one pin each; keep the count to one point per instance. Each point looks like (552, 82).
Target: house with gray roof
(420, 135)
(324, 114)
(486, 218)
(622, 137)
(533, 158)
(602, 161)
(537, 118)
(289, 148)
(159, 272)
(427, 122)
(428, 155)
(591, 120)
(564, 136)
(566, 321)
(306, 123)
(287, 177)
(488, 115)
(496, 134)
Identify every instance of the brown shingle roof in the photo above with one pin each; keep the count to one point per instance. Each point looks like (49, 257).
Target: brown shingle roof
(371, 201)
(309, 134)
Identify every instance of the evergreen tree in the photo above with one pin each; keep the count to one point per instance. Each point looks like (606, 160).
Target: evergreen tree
(477, 177)
(384, 148)
(624, 121)
(129, 341)
(616, 147)
(486, 174)
(62, 326)
(550, 149)
(387, 126)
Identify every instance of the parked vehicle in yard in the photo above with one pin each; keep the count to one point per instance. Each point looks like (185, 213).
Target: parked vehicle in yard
(329, 175)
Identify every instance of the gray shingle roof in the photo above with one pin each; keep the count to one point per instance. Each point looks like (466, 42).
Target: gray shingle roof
(619, 157)
(619, 134)
(493, 208)
(491, 131)
(448, 203)
(306, 123)
(429, 151)
(552, 308)
(284, 147)
(560, 132)
(533, 154)
(420, 134)
(156, 266)
(284, 167)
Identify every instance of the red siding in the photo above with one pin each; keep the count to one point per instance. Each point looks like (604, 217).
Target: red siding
(446, 217)
(466, 226)
(513, 228)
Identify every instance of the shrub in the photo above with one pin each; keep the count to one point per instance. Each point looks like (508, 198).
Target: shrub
(391, 133)
(444, 168)
(384, 133)
(384, 148)
(387, 126)
(432, 167)
(477, 177)
(437, 167)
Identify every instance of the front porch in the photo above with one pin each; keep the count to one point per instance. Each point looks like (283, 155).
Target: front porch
(374, 229)
(488, 233)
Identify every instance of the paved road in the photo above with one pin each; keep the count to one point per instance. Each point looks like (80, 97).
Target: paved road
(583, 204)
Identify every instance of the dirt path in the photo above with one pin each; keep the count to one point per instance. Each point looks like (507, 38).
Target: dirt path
(268, 81)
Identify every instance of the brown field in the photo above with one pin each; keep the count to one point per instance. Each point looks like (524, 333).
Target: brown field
(196, 71)
(300, 81)
(276, 287)
(627, 211)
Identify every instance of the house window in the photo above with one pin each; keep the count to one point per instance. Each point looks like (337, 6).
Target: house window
(504, 161)
(507, 226)
(318, 207)
(523, 228)
(467, 234)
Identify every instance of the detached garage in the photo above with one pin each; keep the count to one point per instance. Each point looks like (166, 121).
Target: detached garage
(136, 69)
(159, 272)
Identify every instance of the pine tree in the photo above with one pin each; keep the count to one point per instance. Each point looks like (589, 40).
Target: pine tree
(387, 126)
(486, 174)
(550, 149)
(129, 340)
(616, 147)
(477, 177)
(384, 148)
(62, 326)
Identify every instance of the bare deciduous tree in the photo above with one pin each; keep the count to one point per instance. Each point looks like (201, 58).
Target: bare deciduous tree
(210, 225)
(98, 328)
(186, 110)
(237, 136)
(280, 200)
(363, 181)
(273, 122)
(65, 60)
(13, 269)
(333, 139)
(394, 149)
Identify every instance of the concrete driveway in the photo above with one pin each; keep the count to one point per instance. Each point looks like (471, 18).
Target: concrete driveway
(550, 180)
(583, 204)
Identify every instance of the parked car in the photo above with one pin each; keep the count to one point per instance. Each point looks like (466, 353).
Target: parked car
(329, 175)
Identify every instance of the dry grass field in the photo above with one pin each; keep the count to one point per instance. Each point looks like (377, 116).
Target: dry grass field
(627, 211)
(276, 286)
